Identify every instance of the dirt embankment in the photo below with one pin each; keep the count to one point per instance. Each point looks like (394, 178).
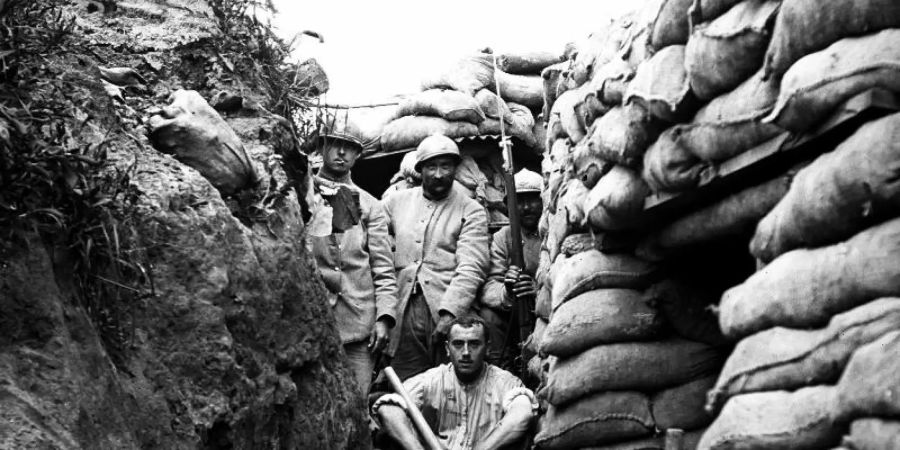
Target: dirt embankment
(138, 307)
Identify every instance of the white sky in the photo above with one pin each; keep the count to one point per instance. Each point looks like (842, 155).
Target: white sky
(376, 49)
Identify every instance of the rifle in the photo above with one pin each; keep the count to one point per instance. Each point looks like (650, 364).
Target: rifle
(521, 309)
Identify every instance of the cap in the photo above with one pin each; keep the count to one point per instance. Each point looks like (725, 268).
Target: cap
(433, 146)
(528, 181)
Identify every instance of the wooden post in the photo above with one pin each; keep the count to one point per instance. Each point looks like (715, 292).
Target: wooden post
(431, 441)
(674, 439)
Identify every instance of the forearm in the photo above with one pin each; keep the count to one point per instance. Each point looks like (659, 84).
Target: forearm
(397, 425)
(512, 427)
(494, 294)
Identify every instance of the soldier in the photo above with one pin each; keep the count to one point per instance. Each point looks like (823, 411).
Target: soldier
(441, 255)
(348, 238)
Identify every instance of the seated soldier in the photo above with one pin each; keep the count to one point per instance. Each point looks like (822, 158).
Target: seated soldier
(468, 403)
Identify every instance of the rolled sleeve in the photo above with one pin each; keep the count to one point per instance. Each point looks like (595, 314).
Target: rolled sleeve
(381, 261)
(472, 262)
(517, 392)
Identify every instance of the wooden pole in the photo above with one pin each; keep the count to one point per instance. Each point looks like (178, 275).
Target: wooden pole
(431, 441)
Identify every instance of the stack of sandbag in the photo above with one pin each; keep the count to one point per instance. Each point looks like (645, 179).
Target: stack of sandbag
(817, 324)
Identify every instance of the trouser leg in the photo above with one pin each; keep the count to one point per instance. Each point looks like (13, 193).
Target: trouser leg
(414, 352)
(362, 364)
(497, 326)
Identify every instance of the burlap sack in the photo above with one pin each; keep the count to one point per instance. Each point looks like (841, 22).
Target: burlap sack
(732, 123)
(526, 90)
(805, 26)
(553, 81)
(443, 103)
(533, 342)
(644, 366)
(818, 83)
(519, 124)
(682, 406)
(735, 216)
(493, 106)
(598, 419)
(776, 420)
(723, 53)
(565, 108)
(669, 167)
(610, 81)
(870, 385)
(671, 25)
(597, 317)
(528, 63)
(686, 309)
(617, 201)
(873, 434)
(839, 194)
(661, 85)
(571, 203)
(594, 270)
(804, 288)
(787, 358)
(707, 10)
(620, 136)
(576, 243)
(467, 75)
(689, 441)
(543, 303)
(599, 48)
(558, 230)
(408, 132)
(196, 135)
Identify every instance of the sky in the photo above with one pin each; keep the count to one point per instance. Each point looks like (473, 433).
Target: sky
(374, 50)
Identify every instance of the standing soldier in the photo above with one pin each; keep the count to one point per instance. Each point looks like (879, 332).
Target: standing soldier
(348, 236)
(441, 256)
(507, 283)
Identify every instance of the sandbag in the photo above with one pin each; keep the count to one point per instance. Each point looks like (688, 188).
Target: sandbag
(598, 419)
(594, 270)
(526, 90)
(610, 81)
(820, 82)
(807, 26)
(559, 229)
(839, 194)
(776, 420)
(519, 124)
(873, 434)
(786, 358)
(620, 136)
(467, 75)
(571, 203)
(447, 104)
(671, 25)
(553, 81)
(661, 85)
(689, 441)
(669, 167)
(732, 123)
(707, 10)
(870, 385)
(196, 135)
(723, 53)
(529, 63)
(682, 406)
(597, 317)
(576, 243)
(685, 308)
(533, 342)
(543, 303)
(734, 216)
(408, 132)
(535, 368)
(804, 288)
(598, 49)
(617, 201)
(645, 366)
(569, 119)
(539, 131)
(493, 106)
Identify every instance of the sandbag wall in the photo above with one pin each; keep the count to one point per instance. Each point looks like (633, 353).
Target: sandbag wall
(460, 101)
(644, 107)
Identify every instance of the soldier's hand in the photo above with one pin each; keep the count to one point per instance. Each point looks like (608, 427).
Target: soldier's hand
(511, 277)
(442, 329)
(524, 287)
(379, 337)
